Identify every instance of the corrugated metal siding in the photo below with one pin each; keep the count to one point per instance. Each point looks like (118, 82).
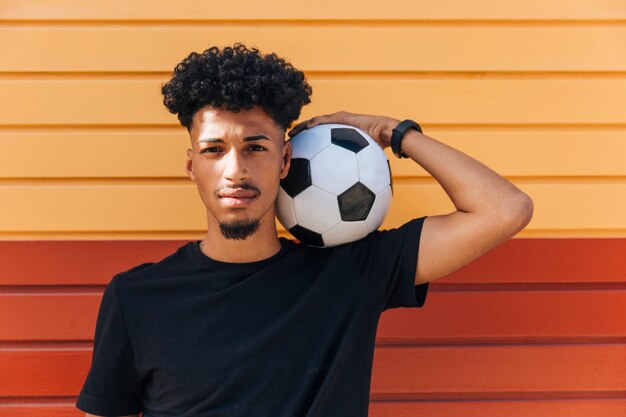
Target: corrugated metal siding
(534, 90)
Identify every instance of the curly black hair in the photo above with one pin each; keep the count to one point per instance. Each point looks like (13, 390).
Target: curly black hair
(235, 78)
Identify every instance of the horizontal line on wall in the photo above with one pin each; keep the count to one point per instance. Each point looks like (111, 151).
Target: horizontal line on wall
(466, 74)
(62, 182)
(64, 290)
(176, 128)
(199, 234)
(50, 290)
(367, 23)
(104, 235)
(459, 342)
(572, 233)
(69, 401)
(56, 401)
(478, 75)
(530, 286)
(46, 345)
(86, 345)
(321, 75)
(544, 179)
(182, 181)
(499, 396)
(121, 129)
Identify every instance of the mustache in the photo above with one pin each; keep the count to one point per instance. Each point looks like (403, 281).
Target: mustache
(243, 186)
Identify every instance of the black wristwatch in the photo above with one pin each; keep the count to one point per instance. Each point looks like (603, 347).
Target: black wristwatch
(398, 134)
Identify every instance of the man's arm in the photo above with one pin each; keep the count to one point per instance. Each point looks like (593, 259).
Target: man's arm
(490, 210)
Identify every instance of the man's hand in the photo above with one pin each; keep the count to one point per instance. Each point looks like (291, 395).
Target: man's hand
(378, 127)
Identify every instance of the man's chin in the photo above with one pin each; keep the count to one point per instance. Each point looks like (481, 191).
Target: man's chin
(239, 229)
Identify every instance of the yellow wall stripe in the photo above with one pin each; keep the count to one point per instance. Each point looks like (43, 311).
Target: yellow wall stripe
(177, 207)
(480, 101)
(597, 47)
(161, 152)
(323, 9)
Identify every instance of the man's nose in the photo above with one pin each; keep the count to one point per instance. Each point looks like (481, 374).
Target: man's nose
(235, 167)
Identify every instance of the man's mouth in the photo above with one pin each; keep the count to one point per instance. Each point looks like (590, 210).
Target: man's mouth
(236, 197)
(237, 193)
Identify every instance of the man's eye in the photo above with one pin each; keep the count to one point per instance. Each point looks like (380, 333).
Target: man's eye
(257, 147)
(211, 149)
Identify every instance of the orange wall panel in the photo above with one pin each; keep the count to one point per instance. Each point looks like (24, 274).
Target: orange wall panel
(419, 372)
(471, 317)
(482, 11)
(517, 261)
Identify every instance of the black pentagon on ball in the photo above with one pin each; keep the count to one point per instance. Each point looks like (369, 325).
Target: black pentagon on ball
(355, 203)
(348, 138)
(299, 177)
(307, 236)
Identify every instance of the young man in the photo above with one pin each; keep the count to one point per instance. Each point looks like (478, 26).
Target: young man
(244, 323)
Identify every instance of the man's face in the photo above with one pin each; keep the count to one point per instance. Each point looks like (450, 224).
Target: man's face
(237, 161)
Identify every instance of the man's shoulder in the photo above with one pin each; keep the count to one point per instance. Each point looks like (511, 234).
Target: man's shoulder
(134, 271)
(150, 270)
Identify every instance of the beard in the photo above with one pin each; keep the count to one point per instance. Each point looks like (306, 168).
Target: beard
(239, 229)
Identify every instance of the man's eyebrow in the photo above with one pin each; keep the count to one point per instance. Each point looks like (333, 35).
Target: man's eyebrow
(246, 139)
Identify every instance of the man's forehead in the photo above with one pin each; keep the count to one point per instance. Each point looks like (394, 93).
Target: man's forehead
(235, 130)
(253, 115)
(218, 123)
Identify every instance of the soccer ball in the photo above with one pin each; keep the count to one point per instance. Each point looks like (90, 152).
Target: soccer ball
(338, 188)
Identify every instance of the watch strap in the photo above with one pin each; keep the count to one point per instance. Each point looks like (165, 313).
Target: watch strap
(398, 134)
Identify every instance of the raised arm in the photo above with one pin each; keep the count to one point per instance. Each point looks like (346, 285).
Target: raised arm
(489, 209)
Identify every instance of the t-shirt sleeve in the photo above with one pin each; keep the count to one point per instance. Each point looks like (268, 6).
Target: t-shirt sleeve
(391, 263)
(112, 386)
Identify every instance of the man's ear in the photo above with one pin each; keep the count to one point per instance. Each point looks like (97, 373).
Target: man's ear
(286, 160)
(189, 166)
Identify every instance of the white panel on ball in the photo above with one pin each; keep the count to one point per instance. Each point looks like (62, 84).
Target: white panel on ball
(316, 209)
(373, 168)
(345, 231)
(308, 144)
(284, 209)
(378, 211)
(334, 169)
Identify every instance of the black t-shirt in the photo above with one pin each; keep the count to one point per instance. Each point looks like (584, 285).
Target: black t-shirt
(291, 335)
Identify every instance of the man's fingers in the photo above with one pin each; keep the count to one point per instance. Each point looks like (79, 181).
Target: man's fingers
(326, 118)
(296, 129)
(299, 127)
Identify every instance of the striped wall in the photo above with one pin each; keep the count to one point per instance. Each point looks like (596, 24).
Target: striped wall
(92, 182)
